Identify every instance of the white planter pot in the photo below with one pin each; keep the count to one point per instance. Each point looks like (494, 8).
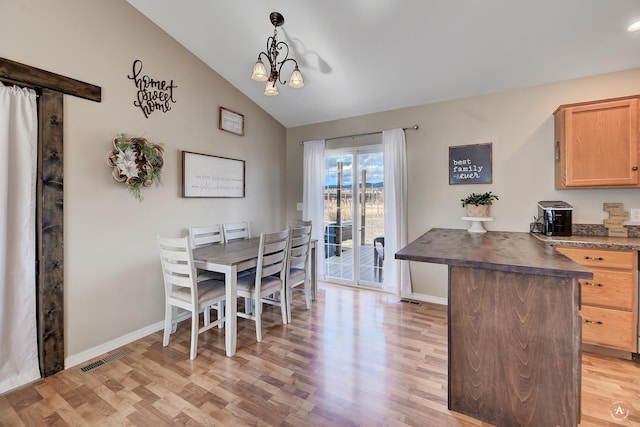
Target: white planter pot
(478, 211)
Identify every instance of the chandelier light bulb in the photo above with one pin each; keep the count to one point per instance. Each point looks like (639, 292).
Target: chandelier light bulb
(259, 72)
(296, 81)
(271, 89)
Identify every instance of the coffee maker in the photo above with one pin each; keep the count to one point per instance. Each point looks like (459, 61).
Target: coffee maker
(555, 217)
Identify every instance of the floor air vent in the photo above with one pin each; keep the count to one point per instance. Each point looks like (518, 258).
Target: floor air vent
(408, 301)
(104, 361)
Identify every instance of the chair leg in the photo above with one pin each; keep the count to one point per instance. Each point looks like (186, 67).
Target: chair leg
(257, 312)
(307, 293)
(375, 262)
(289, 298)
(221, 314)
(168, 325)
(194, 334)
(283, 307)
(248, 305)
(207, 315)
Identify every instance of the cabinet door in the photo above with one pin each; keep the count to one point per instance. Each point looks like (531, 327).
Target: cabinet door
(601, 144)
(611, 289)
(609, 328)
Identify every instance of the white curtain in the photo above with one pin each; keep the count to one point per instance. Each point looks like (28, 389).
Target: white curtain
(313, 196)
(18, 160)
(397, 278)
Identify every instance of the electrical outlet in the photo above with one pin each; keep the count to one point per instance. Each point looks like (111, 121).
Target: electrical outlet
(634, 215)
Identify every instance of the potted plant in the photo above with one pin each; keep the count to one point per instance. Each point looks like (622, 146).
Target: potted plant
(479, 205)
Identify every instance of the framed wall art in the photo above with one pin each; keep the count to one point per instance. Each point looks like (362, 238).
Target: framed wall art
(470, 164)
(231, 121)
(204, 175)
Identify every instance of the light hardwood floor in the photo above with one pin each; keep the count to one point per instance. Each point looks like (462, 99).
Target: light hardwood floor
(358, 358)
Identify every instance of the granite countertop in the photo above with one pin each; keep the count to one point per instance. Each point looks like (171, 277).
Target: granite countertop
(596, 242)
(595, 236)
(493, 250)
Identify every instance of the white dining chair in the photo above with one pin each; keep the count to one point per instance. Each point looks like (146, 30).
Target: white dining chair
(298, 269)
(266, 286)
(184, 291)
(206, 235)
(236, 231)
(294, 223)
(203, 236)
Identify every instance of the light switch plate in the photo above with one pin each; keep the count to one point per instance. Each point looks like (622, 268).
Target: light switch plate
(299, 207)
(634, 215)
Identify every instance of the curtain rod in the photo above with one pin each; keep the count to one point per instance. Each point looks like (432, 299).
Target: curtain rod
(414, 127)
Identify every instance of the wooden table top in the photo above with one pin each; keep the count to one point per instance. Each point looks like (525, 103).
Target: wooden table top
(235, 252)
(493, 250)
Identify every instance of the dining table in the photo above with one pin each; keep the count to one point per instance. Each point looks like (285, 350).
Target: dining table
(231, 258)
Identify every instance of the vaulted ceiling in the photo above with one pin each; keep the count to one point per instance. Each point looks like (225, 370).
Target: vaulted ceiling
(365, 56)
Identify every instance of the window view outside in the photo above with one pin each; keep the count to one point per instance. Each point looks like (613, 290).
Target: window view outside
(354, 217)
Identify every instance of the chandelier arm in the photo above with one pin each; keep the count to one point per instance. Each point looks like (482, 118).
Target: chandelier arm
(280, 69)
(266, 56)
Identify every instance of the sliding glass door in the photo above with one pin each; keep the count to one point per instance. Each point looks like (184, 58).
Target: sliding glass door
(354, 216)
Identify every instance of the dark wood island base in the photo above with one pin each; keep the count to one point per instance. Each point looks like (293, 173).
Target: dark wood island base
(514, 326)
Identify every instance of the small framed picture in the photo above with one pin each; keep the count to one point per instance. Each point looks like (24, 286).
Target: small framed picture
(231, 121)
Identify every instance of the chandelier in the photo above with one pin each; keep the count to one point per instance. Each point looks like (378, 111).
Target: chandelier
(275, 48)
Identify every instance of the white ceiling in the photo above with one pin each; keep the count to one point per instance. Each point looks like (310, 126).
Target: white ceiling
(365, 56)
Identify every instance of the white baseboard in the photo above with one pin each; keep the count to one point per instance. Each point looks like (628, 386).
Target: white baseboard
(76, 359)
(428, 298)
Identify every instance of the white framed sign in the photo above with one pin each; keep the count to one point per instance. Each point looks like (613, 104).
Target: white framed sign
(231, 121)
(204, 175)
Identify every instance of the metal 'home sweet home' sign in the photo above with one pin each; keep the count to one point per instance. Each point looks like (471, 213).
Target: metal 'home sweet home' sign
(153, 95)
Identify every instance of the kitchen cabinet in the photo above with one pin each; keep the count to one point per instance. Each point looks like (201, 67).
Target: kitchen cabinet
(609, 300)
(596, 144)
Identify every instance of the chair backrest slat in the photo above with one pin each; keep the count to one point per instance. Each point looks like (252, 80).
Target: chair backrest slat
(207, 235)
(299, 246)
(236, 231)
(272, 256)
(177, 263)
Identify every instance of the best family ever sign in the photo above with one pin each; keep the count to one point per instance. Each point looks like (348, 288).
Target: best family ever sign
(470, 164)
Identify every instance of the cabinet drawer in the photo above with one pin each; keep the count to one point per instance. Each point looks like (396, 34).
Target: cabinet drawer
(608, 288)
(602, 258)
(609, 328)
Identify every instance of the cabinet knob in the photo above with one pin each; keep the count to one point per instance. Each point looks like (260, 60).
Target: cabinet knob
(635, 168)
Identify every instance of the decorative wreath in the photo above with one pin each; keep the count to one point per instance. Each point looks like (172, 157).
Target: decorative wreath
(136, 162)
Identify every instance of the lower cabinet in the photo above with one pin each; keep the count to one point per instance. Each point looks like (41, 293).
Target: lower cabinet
(609, 300)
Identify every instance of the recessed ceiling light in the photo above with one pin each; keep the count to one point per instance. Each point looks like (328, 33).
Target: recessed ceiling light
(634, 27)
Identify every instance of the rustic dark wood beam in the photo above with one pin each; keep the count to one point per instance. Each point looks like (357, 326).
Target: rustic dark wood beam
(50, 233)
(15, 72)
(49, 201)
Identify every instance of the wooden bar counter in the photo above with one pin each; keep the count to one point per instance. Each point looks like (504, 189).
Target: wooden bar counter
(514, 326)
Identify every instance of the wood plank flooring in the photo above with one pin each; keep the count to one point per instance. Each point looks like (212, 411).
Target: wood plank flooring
(357, 358)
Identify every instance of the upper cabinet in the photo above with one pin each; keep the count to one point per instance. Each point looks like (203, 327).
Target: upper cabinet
(596, 144)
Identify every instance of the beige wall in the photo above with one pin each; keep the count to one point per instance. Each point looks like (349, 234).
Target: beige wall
(113, 283)
(520, 126)
(112, 276)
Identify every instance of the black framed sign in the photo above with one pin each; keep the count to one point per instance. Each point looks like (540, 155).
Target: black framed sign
(470, 164)
(204, 175)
